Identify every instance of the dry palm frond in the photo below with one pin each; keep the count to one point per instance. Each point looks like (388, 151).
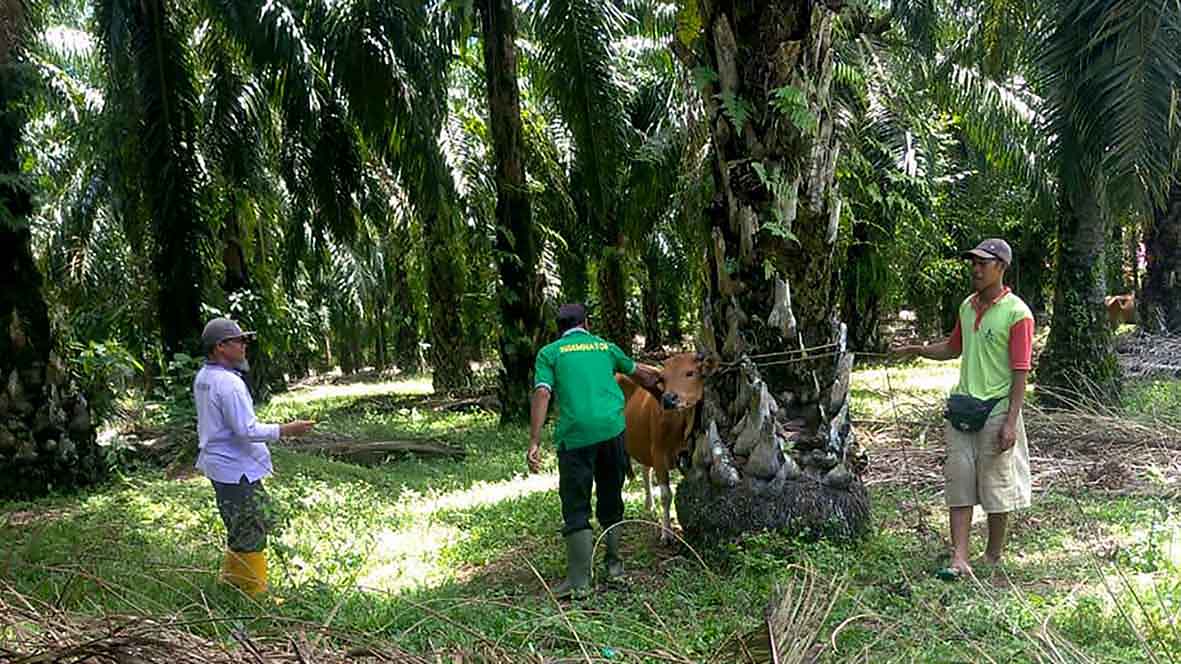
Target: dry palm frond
(1093, 448)
(35, 632)
(792, 623)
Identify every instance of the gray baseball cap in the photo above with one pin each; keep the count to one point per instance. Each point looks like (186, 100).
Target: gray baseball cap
(992, 248)
(221, 329)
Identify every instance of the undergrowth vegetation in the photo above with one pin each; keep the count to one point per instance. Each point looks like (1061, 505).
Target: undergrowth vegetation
(429, 553)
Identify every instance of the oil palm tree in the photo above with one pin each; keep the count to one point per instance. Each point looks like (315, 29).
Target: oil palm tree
(47, 437)
(769, 314)
(1105, 70)
(518, 245)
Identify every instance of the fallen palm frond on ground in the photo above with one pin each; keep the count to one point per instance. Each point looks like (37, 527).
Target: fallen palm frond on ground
(35, 632)
(1100, 451)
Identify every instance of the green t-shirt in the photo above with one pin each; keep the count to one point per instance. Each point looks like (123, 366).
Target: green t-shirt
(579, 370)
(993, 348)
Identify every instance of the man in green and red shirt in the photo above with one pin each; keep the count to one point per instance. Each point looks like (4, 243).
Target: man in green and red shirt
(989, 465)
(579, 370)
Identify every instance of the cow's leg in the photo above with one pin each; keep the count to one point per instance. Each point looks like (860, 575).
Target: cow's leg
(647, 488)
(666, 501)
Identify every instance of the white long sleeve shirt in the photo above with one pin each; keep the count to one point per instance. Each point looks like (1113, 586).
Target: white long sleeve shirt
(231, 439)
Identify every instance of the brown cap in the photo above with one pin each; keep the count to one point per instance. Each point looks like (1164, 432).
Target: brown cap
(992, 248)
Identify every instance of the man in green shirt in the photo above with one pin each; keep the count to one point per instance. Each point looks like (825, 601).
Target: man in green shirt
(579, 370)
(987, 453)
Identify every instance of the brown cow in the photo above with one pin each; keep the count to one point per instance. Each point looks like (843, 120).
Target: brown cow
(1120, 309)
(658, 428)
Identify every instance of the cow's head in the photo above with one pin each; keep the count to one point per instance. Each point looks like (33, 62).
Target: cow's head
(682, 379)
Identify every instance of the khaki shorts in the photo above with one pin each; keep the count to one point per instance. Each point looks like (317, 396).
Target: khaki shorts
(977, 474)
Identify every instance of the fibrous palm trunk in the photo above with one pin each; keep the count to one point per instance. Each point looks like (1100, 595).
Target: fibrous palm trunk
(445, 285)
(1079, 362)
(517, 245)
(47, 438)
(775, 448)
(1160, 305)
(164, 76)
(866, 282)
(612, 317)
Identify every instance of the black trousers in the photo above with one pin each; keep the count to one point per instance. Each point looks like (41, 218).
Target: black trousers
(245, 510)
(605, 466)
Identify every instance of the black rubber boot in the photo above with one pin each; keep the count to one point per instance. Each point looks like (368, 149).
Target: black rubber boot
(614, 559)
(579, 546)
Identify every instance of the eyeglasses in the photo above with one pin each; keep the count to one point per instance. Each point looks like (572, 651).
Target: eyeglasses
(242, 340)
(983, 261)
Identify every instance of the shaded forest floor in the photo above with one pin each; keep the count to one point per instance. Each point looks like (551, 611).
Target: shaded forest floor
(425, 555)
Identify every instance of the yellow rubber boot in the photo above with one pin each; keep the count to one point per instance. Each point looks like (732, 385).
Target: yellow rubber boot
(246, 571)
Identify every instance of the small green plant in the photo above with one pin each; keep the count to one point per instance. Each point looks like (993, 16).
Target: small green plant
(792, 103)
(737, 109)
(703, 77)
(175, 389)
(785, 197)
(104, 372)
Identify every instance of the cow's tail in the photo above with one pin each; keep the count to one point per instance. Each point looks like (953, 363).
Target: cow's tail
(627, 466)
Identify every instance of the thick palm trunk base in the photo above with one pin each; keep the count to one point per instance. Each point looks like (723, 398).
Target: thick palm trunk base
(801, 505)
(1079, 364)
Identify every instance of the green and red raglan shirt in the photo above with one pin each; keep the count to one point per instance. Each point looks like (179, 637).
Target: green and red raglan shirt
(994, 340)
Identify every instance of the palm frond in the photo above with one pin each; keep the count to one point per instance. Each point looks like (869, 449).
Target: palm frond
(274, 40)
(577, 57)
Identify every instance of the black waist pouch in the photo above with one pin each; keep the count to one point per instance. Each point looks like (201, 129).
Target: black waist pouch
(967, 413)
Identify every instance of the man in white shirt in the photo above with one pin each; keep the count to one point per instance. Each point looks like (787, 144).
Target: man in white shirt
(233, 452)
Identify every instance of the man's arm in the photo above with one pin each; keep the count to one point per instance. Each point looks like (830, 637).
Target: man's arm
(238, 411)
(538, 408)
(948, 349)
(1008, 435)
(1020, 362)
(943, 350)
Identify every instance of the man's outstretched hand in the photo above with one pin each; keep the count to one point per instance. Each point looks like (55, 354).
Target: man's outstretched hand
(296, 428)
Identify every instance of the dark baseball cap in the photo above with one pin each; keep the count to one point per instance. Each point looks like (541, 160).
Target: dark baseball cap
(571, 315)
(222, 329)
(992, 248)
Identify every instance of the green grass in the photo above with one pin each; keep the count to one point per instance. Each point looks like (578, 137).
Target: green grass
(434, 553)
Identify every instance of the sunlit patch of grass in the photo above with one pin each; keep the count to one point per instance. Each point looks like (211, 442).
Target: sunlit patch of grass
(411, 385)
(883, 391)
(1157, 399)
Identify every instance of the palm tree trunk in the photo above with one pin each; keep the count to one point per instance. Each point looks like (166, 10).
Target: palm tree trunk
(517, 246)
(445, 284)
(612, 321)
(769, 312)
(1160, 305)
(164, 77)
(650, 298)
(46, 434)
(1079, 360)
(572, 268)
(865, 284)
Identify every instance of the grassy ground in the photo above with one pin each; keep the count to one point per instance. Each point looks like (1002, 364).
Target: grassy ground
(433, 553)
